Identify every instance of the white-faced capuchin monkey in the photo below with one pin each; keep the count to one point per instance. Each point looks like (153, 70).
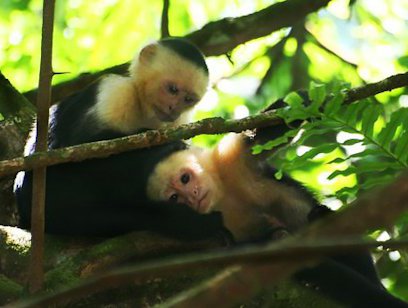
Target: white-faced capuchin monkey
(166, 79)
(231, 180)
(254, 205)
(106, 197)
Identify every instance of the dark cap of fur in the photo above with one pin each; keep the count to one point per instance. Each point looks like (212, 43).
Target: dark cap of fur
(186, 50)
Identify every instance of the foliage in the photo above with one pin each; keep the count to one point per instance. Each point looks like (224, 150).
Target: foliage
(360, 141)
(342, 149)
(371, 144)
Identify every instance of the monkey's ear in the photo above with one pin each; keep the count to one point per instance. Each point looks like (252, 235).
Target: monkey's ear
(148, 52)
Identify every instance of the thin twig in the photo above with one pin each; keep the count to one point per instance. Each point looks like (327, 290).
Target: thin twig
(165, 19)
(36, 276)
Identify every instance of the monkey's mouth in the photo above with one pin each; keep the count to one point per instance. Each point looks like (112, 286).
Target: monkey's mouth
(202, 204)
(163, 116)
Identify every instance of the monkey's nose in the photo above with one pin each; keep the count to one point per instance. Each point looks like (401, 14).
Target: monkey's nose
(195, 191)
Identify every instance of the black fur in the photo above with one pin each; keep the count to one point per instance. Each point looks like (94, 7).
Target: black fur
(186, 50)
(106, 197)
(348, 285)
(71, 123)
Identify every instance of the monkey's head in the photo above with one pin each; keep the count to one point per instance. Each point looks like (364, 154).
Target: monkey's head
(171, 76)
(185, 177)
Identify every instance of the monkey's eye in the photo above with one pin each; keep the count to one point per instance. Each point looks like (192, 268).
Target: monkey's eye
(173, 89)
(185, 178)
(173, 198)
(189, 100)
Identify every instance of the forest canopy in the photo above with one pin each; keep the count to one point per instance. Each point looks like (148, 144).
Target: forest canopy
(345, 149)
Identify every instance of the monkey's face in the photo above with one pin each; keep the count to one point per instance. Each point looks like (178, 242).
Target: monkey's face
(192, 186)
(169, 84)
(182, 179)
(171, 98)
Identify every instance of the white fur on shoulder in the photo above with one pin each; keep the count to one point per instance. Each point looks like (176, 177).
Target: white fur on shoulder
(117, 105)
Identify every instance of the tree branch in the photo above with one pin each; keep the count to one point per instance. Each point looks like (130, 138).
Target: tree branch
(379, 210)
(371, 89)
(156, 137)
(215, 38)
(220, 37)
(36, 276)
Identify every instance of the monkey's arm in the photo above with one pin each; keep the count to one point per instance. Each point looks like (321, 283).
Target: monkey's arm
(105, 220)
(76, 211)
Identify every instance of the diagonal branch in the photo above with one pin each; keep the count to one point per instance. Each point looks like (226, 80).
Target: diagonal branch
(156, 137)
(365, 213)
(220, 37)
(216, 38)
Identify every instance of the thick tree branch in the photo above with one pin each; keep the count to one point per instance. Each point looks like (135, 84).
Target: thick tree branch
(371, 89)
(215, 38)
(135, 245)
(220, 37)
(365, 213)
(155, 137)
(378, 210)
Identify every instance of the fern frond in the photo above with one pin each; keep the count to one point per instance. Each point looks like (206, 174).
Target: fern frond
(384, 144)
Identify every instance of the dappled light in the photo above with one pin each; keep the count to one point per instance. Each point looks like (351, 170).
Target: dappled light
(334, 73)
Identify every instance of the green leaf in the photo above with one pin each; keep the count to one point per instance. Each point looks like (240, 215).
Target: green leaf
(370, 116)
(375, 166)
(312, 132)
(401, 149)
(366, 153)
(338, 160)
(294, 100)
(279, 174)
(292, 114)
(376, 181)
(327, 148)
(352, 113)
(350, 191)
(388, 132)
(334, 104)
(257, 149)
(352, 141)
(317, 94)
(403, 61)
(329, 123)
(346, 172)
(1, 117)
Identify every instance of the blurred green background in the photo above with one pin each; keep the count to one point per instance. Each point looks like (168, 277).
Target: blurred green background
(348, 43)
